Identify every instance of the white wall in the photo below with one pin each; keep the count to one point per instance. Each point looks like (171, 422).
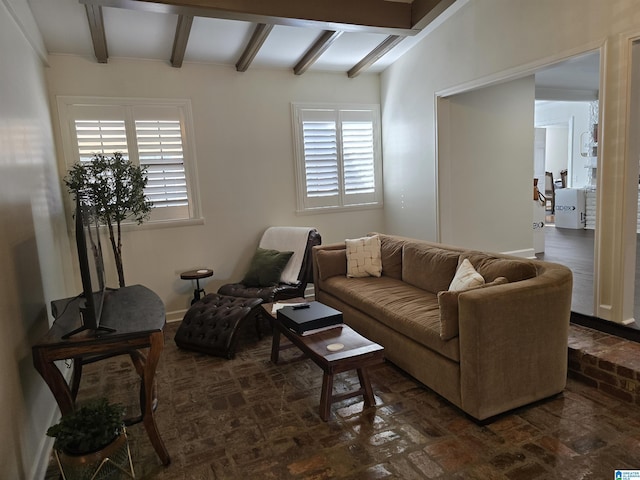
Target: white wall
(33, 244)
(487, 41)
(244, 147)
(557, 157)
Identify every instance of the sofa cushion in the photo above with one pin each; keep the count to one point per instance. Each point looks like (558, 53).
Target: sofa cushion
(492, 267)
(331, 263)
(466, 277)
(448, 302)
(408, 310)
(364, 257)
(428, 268)
(391, 253)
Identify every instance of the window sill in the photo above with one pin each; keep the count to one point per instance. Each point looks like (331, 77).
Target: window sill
(154, 224)
(349, 208)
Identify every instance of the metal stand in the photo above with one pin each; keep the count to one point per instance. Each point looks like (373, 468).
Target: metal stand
(197, 275)
(107, 468)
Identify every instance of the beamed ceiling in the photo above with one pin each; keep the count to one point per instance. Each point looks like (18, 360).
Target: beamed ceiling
(353, 36)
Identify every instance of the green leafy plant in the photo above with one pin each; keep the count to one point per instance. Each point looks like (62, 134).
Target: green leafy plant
(89, 428)
(115, 187)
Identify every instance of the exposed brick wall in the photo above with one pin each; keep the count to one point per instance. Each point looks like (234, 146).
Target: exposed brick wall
(591, 365)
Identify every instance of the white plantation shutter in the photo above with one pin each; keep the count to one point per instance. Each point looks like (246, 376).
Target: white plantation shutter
(99, 129)
(160, 149)
(100, 136)
(358, 155)
(321, 158)
(337, 156)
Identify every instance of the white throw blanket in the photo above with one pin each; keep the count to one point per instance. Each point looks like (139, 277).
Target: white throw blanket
(292, 239)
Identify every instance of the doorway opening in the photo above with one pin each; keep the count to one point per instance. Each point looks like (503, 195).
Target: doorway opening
(567, 111)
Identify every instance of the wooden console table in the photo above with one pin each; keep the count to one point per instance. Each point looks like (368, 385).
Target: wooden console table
(138, 316)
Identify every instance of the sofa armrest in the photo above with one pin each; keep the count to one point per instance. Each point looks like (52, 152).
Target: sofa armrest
(513, 341)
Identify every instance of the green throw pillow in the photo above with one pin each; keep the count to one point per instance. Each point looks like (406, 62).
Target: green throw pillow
(266, 267)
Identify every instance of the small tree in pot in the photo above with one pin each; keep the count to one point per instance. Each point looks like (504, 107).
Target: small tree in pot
(115, 186)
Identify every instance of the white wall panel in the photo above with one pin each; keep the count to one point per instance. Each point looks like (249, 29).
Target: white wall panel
(486, 168)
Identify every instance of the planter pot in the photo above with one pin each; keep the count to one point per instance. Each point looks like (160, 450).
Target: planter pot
(111, 462)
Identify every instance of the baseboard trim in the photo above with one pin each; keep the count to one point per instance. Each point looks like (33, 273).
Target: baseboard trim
(526, 253)
(176, 315)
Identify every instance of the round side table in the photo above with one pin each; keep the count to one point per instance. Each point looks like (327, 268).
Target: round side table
(197, 275)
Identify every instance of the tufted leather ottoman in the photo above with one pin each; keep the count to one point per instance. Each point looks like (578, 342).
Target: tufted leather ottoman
(211, 324)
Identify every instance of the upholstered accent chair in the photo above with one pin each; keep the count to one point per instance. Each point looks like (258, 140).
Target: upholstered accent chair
(296, 274)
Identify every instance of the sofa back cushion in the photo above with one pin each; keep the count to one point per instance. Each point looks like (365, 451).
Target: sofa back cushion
(491, 267)
(391, 251)
(428, 268)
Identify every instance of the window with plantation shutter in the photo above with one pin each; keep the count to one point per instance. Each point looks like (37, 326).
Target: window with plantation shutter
(337, 156)
(152, 133)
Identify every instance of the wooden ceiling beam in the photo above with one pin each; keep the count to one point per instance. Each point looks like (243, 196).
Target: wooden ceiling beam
(98, 36)
(423, 12)
(375, 55)
(183, 29)
(316, 50)
(260, 34)
(375, 16)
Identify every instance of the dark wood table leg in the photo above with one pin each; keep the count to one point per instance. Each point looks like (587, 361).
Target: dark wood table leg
(365, 384)
(146, 368)
(275, 345)
(326, 397)
(75, 379)
(148, 419)
(56, 381)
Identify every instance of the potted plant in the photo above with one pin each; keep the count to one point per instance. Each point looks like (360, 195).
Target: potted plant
(91, 442)
(115, 186)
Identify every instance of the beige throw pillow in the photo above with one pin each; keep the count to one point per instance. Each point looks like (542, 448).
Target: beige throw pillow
(465, 277)
(363, 257)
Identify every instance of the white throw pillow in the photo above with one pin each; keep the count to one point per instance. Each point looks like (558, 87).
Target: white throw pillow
(363, 257)
(465, 277)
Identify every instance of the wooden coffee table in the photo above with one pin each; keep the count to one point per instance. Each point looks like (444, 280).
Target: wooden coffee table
(358, 354)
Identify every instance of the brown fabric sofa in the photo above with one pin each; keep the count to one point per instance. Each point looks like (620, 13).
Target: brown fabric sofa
(487, 350)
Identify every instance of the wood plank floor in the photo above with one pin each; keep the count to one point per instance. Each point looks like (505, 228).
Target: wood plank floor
(574, 248)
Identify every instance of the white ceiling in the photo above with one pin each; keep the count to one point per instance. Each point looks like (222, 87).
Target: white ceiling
(577, 78)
